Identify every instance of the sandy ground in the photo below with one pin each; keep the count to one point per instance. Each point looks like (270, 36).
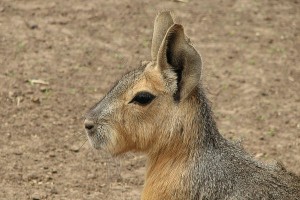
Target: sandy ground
(58, 58)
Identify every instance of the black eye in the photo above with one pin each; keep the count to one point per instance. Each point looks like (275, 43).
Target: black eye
(142, 98)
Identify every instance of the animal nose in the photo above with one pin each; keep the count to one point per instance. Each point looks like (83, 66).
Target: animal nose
(88, 124)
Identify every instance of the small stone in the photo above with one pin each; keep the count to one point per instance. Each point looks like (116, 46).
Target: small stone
(119, 179)
(30, 177)
(291, 79)
(36, 100)
(49, 178)
(261, 138)
(18, 153)
(11, 95)
(264, 94)
(259, 155)
(74, 149)
(52, 155)
(271, 41)
(54, 191)
(91, 176)
(29, 92)
(268, 18)
(31, 25)
(36, 196)
(45, 89)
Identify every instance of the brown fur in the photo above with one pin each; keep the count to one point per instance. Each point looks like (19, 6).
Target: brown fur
(187, 156)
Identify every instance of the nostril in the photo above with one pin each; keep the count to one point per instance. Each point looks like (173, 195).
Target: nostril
(88, 125)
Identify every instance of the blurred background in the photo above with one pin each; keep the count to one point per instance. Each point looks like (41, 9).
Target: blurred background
(58, 58)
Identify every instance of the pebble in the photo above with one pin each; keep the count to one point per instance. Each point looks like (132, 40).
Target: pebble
(31, 176)
(91, 176)
(54, 191)
(74, 149)
(259, 155)
(36, 196)
(261, 137)
(18, 153)
(52, 155)
(32, 25)
(36, 100)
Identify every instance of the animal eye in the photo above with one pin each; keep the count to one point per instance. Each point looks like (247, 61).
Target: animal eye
(142, 98)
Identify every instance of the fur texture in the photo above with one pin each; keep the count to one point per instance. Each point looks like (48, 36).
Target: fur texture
(187, 156)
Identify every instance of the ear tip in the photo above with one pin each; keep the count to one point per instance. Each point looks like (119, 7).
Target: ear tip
(164, 12)
(164, 15)
(177, 28)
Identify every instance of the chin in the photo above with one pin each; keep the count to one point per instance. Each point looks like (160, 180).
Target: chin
(95, 143)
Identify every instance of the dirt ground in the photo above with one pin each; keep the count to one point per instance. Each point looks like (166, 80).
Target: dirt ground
(58, 58)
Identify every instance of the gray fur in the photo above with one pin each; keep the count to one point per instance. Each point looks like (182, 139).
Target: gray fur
(216, 168)
(105, 106)
(223, 170)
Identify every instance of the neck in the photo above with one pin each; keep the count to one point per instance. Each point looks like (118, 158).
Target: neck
(208, 133)
(168, 171)
(165, 172)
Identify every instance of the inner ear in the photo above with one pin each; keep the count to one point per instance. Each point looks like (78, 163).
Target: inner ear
(178, 55)
(177, 63)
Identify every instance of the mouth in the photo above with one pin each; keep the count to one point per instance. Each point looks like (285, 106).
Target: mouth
(96, 138)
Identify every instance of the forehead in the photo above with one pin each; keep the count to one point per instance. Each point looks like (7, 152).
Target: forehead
(151, 80)
(127, 81)
(122, 85)
(146, 77)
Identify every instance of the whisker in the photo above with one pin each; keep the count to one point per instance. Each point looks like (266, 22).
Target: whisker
(74, 137)
(83, 144)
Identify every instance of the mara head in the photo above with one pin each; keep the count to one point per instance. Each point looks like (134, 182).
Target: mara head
(147, 108)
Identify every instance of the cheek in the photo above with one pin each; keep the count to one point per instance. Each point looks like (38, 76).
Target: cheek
(121, 135)
(119, 142)
(132, 120)
(137, 128)
(142, 124)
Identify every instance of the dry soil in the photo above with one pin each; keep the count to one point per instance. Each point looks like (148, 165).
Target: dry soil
(58, 58)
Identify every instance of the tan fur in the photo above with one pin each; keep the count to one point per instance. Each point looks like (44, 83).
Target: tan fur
(164, 176)
(160, 136)
(186, 154)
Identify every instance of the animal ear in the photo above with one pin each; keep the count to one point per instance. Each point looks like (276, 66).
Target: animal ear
(176, 54)
(163, 22)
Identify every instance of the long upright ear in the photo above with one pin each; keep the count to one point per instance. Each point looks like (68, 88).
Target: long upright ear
(177, 55)
(162, 23)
